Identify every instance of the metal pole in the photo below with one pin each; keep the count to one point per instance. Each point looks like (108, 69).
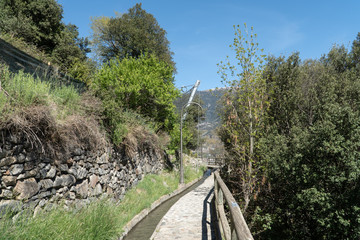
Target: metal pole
(181, 142)
(181, 150)
(191, 96)
(201, 153)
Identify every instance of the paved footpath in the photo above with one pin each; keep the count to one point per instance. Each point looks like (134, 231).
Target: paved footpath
(189, 218)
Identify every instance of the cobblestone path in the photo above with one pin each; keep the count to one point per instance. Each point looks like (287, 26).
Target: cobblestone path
(190, 217)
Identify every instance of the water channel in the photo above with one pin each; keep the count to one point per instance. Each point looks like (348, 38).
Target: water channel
(145, 228)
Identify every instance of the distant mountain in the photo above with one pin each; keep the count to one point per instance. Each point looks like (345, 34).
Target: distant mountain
(209, 100)
(212, 145)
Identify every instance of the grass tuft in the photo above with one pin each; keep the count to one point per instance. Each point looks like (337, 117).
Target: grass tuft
(102, 219)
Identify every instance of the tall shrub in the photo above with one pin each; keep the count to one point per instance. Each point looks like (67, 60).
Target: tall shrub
(143, 85)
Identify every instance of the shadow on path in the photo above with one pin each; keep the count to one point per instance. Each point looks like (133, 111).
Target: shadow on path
(205, 223)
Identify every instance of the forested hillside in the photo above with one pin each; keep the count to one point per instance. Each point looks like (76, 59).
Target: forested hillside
(291, 130)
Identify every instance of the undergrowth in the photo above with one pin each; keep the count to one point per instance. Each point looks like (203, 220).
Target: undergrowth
(54, 118)
(102, 219)
(23, 90)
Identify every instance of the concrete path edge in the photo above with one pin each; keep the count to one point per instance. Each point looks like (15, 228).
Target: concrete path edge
(135, 220)
(155, 233)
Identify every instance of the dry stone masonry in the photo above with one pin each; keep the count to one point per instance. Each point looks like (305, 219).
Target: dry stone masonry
(30, 179)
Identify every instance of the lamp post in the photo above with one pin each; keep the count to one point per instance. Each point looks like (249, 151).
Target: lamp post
(181, 141)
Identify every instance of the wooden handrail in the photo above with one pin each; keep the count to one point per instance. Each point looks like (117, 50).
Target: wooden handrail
(239, 229)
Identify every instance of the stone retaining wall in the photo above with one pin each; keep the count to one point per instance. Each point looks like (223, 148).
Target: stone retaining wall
(30, 178)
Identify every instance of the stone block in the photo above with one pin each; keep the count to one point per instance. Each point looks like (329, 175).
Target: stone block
(148, 168)
(102, 171)
(97, 190)
(105, 179)
(16, 169)
(82, 189)
(7, 161)
(64, 168)
(4, 153)
(78, 152)
(73, 172)
(81, 173)
(51, 173)
(138, 170)
(46, 183)
(21, 158)
(42, 173)
(64, 180)
(71, 196)
(93, 180)
(44, 194)
(7, 194)
(102, 159)
(29, 165)
(9, 180)
(28, 174)
(26, 189)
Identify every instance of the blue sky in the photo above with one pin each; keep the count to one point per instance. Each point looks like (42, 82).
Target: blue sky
(200, 31)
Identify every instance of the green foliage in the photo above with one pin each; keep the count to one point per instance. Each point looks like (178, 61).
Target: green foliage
(23, 90)
(307, 142)
(355, 52)
(69, 49)
(131, 34)
(82, 70)
(243, 113)
(144, 85)
(39, 23)
(92, 222)
(313, 148)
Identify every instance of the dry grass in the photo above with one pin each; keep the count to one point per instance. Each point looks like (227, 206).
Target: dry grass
(53, 138)
(140, 138)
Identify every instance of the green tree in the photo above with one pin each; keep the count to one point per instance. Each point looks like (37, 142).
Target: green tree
(70, 50)
(313, 148)
(35, 21)
(40, 23)
(130, 35)
(243, 113)
(144, 85)
(83, 70)
(355, 52)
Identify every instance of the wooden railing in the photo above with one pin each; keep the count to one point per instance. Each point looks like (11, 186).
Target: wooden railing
(238, 229)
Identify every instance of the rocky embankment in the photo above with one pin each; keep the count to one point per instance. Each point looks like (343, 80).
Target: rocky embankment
(29, 179)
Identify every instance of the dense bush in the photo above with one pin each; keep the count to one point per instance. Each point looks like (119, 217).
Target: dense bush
(312, 145)
(141, 87)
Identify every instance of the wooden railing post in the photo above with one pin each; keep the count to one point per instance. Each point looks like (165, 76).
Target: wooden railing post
(239, 229)
(225, 228)
(233, 232)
